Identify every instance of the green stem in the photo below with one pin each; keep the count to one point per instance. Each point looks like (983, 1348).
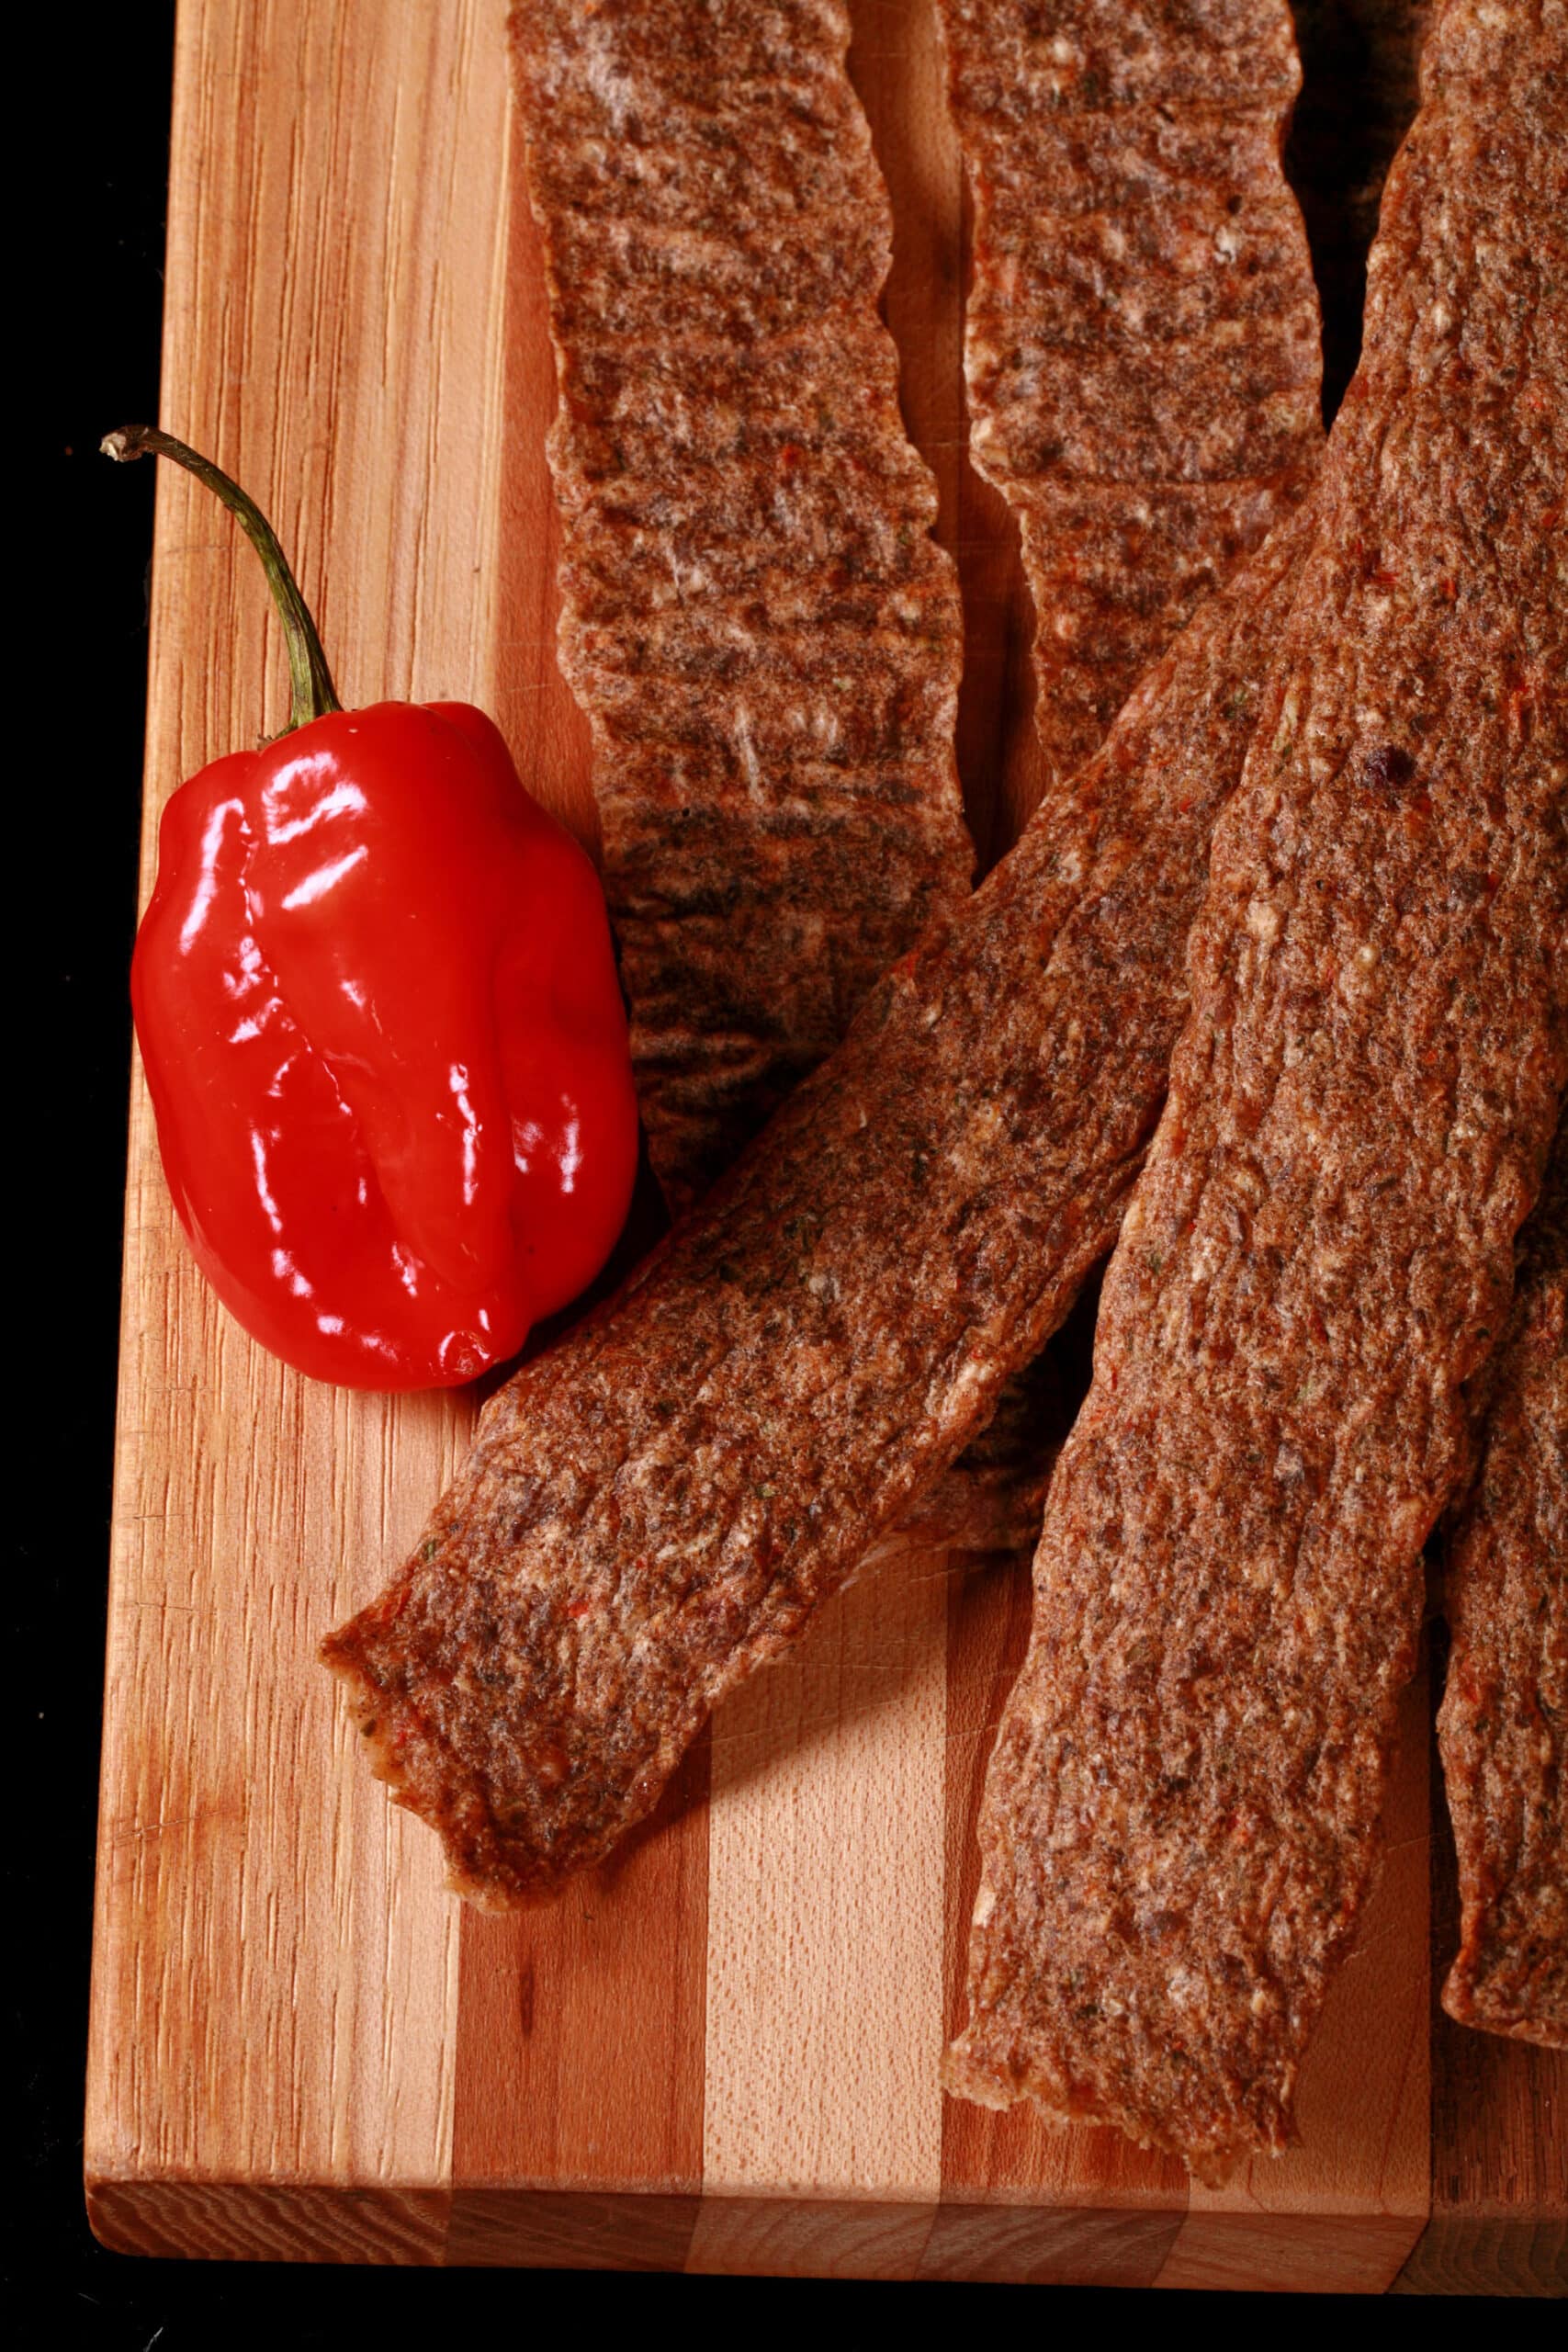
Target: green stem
(312, 694)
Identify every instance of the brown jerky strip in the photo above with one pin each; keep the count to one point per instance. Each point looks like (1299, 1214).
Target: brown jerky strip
(670, 503)
(661, 1504)
(762, 633)
(1093, 288)
(1181, 1820)
(1141, 333)
(1359, 58)
(1504, 1722)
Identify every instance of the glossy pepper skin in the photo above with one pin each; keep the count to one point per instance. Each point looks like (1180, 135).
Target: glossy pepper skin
(383, 1033)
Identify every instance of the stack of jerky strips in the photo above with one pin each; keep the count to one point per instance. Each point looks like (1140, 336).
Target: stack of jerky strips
(1181, 1820)
(754, 616)
(1141, 347)
(1319, 1258)
(811, 1352)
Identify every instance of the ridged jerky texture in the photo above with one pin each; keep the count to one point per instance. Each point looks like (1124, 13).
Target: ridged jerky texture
(733, 504)
(755, 618)
(661, 1504)
(1141, 336)
(1504, 1720)
(1180, 1819)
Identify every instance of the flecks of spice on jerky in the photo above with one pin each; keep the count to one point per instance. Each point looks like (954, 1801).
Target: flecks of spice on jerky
(662, 1504)
(764, 636)
(1181, 1816)
(1141, 335)
(746, 529)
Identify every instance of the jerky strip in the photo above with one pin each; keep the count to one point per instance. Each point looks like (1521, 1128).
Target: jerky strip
(1181, 1820)
(662, 1503)
(1141, 336)
(684, 442)
(1504, 1720)
(755, 617)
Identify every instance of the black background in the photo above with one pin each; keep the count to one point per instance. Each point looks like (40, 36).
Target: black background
(87, 234)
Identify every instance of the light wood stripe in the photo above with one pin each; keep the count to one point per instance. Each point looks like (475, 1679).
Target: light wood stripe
(578, 2055)
(824, 1937)
(825, 1876)
(276, 1972)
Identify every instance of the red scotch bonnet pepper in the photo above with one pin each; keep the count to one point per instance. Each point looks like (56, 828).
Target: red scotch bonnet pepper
(379, 1011)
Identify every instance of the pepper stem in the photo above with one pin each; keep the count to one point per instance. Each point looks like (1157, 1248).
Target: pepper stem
(312, 694)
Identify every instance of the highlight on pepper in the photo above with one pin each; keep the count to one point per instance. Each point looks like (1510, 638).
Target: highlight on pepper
(379, 1011)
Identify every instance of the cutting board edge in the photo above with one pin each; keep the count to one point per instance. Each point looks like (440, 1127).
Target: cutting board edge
(138, 2213)
(1455, 2254)
(249, 2220)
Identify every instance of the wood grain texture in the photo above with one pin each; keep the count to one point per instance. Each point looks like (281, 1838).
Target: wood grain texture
(824, 1908)
(275, 1968)
(896, 65)
(720, 2053)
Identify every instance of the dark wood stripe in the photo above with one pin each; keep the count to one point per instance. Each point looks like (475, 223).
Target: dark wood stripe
(579, 2062)
(896, 65)
(533, 704)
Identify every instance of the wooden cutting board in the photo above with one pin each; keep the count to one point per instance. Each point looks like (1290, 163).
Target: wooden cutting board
(721, 2053)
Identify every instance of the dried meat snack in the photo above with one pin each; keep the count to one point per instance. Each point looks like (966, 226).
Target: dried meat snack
(1180, 1818)
(1504, 1720)
(660, 1505)
(1141, 335)
(745, 956)
(750, 931)
(755, 617)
